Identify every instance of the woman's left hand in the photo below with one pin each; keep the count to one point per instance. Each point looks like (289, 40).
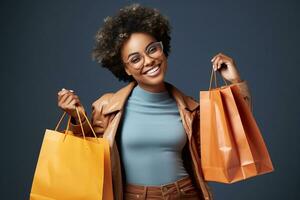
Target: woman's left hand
(226, 67)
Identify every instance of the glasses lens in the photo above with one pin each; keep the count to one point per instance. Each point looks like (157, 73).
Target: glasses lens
(155, 50)
(136, 61)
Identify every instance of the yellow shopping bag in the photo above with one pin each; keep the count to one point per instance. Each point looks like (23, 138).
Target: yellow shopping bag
(70, 167)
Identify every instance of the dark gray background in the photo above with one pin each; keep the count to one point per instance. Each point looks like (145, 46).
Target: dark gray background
(46, 45)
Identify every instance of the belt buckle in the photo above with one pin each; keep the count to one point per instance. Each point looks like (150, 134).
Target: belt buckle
(164, 187)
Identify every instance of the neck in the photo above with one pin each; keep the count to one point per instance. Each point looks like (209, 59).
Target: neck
(157, 88)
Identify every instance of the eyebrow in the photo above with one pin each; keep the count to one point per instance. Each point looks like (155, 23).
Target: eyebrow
(138, 52)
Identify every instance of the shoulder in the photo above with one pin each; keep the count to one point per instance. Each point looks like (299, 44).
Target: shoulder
(182, 99)
(102, 100)
(113, 101)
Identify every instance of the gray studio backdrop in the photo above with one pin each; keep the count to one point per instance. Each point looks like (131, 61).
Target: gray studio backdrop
(46, 45)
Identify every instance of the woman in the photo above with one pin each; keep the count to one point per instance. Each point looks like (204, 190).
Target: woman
(152, 127)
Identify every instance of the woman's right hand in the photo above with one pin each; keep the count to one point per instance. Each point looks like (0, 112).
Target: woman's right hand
(67, 100)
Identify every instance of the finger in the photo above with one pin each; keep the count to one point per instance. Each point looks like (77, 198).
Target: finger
(61, 98)
(224, 55)
(62, 94)
(64, 99)
(213, 59)
(227, 59)
(216, 56)
(77, 102)
(76, 98)
(215, 63)
(68, 100)
(63, 91)
(72, 104)
(219, 63)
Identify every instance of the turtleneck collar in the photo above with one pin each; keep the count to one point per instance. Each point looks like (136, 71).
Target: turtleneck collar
(150, 96)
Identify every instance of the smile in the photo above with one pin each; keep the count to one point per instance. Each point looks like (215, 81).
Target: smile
(154, 71)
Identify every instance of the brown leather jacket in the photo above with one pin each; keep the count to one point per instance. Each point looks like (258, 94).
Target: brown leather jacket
(107, 112)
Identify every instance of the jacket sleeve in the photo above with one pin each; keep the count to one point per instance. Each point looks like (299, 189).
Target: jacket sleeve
(98, 120)
(245, 92)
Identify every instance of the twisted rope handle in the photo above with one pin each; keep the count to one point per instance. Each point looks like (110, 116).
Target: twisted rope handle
(69, 121)
(213, 74)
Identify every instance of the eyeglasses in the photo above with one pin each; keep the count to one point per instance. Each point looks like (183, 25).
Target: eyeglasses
(154, 50)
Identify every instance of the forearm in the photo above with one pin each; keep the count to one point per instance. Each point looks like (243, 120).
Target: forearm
(245, 91)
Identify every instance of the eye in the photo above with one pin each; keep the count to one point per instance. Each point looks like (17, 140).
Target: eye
(152, 49)
(135, 59)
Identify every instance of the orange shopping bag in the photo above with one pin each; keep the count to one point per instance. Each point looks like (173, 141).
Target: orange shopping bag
(70, 167)
(232, 147)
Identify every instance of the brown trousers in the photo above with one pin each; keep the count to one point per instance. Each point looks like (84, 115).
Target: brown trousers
(180, 189)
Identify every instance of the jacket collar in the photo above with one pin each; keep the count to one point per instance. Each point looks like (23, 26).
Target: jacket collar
(119, 98)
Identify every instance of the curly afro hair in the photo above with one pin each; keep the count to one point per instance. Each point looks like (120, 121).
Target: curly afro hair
(117, 29)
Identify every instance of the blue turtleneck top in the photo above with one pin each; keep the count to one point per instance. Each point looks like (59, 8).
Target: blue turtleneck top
(152, 137)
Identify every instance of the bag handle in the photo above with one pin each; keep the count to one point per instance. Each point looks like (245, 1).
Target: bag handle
(69, 121)
(213, 74)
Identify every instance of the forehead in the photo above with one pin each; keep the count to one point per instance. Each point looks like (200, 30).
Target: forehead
(136, 43)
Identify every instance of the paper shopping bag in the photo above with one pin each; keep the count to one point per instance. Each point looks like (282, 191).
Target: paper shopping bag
(232, 147)
(70, 167)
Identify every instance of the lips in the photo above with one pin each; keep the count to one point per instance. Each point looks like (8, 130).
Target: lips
(151, 68)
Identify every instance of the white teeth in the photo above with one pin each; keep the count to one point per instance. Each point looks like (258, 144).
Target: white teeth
(152, 70)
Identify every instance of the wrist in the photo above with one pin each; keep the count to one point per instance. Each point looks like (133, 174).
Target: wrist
(75, 120)
(82, 119)
(237, 80)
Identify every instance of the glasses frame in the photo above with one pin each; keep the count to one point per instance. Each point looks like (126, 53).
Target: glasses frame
(145, 52)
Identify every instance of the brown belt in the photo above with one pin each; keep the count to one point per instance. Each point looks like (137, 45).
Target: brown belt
(180, 189)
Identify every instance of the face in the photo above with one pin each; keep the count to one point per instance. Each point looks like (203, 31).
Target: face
(136, 45)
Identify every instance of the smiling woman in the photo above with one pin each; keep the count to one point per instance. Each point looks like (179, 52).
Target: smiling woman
(148, 68)
(152, 127)
(116, 30)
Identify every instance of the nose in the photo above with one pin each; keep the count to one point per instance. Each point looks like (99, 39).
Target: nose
(148, 62)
